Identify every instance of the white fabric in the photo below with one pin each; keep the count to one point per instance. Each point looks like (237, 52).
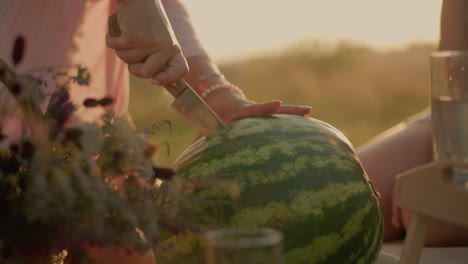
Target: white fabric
(432, 255)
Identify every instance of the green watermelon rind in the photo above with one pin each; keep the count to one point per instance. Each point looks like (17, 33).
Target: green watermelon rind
(338, 186)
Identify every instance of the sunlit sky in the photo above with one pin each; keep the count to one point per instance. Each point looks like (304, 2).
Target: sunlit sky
(231, 29)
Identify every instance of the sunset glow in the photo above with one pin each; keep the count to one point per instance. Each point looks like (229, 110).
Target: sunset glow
(231, 29)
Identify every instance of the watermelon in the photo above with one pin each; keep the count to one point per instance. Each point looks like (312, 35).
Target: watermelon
(296, 174)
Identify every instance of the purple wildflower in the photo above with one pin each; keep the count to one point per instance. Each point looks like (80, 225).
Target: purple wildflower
(18, 49)
(174, 230)
(14, 148)
(54, 129)
(59, 98)
(16, 89)
(106, 101)
(65, 113)
(83, 77)
(2, 136)
(90, 102)
(27, 149)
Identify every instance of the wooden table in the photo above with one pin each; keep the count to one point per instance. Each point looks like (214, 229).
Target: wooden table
(428, 192)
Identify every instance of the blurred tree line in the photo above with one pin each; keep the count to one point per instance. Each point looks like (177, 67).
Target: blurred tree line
(358, 90)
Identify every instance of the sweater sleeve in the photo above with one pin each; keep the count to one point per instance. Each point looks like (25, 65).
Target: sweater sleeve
(182, 26)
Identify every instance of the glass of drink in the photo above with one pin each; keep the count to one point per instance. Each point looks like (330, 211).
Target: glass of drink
(449, 93)
(244, 246)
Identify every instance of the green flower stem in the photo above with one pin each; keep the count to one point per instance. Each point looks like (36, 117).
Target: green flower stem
(31, 111)
(8, 77)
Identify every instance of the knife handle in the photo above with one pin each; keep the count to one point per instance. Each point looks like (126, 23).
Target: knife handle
(176, 88)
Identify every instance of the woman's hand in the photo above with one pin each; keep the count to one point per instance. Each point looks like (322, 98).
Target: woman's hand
(231, 107)
(147, 42)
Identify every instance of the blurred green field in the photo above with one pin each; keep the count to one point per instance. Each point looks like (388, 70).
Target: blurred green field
(352, 87)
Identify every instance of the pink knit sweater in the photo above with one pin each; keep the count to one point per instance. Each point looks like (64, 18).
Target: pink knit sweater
(63, 33)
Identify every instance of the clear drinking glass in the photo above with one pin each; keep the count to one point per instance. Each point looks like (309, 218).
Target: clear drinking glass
(449, 93)
(244, 246)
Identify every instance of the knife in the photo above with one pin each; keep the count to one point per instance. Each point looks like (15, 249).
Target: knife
(187, 101)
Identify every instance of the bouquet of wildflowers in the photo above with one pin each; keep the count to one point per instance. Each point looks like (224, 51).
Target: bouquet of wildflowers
(65, 187)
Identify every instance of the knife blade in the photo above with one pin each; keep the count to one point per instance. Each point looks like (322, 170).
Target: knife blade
(194, 109)
(187, 101)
